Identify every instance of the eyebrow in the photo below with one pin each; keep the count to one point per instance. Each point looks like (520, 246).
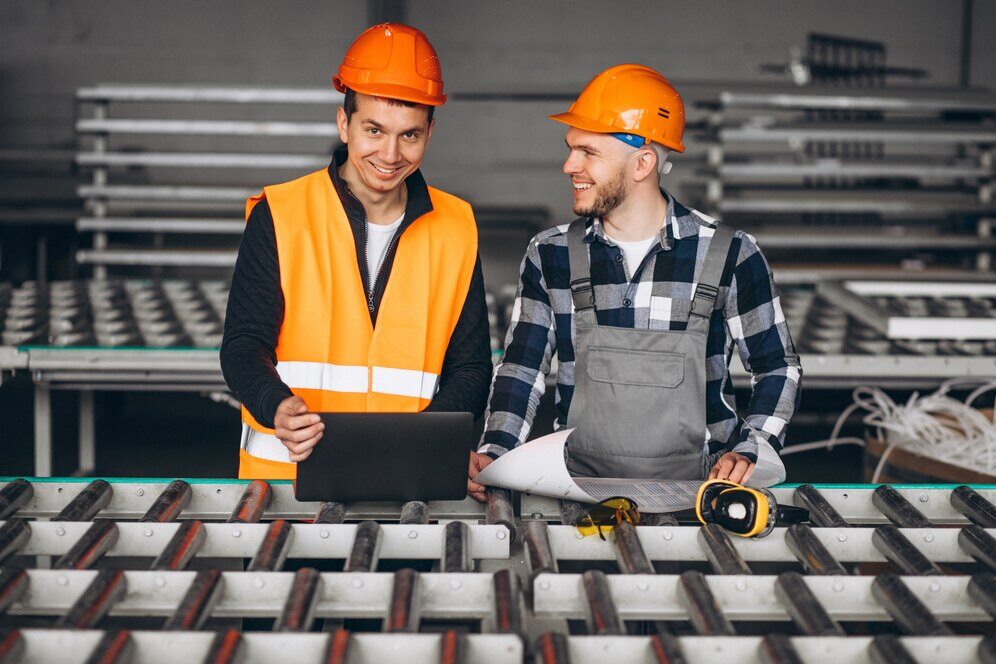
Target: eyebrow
(582, 146)
(412, 130)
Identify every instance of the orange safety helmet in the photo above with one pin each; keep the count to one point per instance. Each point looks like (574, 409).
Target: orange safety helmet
(395, 61)
(630, 99)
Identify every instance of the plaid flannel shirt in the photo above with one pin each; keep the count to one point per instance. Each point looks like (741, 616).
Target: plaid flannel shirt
(748, 314)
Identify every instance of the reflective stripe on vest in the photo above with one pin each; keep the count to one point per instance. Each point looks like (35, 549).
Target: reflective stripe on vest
(327, 351)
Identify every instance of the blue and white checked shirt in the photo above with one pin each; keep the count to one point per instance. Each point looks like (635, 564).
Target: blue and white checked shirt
(748, 313)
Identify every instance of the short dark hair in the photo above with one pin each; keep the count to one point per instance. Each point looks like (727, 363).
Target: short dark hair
(349, 104)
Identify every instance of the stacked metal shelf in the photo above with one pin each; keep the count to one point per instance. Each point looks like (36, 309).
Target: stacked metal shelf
(851, 185)
(155, 571)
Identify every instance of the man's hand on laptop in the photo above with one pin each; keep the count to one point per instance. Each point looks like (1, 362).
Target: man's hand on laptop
(732, 466)
(478, 462)
(296, 428)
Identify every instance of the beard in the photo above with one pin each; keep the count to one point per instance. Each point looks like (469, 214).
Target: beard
(607, 198)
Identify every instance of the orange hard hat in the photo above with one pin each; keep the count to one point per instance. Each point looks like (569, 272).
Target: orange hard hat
(395, 61)
(630, 99)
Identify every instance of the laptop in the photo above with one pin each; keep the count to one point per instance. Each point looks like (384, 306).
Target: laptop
(388, 456)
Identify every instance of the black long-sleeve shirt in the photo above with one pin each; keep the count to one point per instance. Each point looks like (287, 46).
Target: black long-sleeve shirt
(256, 312)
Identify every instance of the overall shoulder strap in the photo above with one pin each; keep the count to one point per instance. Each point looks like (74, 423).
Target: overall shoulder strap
(712, 271)
(581, 290)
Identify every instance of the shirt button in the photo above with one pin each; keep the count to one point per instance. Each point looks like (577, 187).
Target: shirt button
(619, 258)
(627, 302)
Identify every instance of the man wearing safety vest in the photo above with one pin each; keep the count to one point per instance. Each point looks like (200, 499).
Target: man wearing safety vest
(357, 287)
(642, 299)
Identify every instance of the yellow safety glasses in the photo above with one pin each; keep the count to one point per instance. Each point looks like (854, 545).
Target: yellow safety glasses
(608, 514)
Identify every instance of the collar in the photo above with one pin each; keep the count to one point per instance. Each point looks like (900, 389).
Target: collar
(677, 224)
(418, 203)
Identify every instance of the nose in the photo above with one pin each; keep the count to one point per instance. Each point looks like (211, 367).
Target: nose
(573, 163)
(391, 151)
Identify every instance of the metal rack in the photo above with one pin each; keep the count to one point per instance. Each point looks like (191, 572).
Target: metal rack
(821, 177)
(163, 335)
(149, 570)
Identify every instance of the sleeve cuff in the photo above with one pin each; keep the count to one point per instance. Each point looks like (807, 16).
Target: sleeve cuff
(492, 450)
(269, 403)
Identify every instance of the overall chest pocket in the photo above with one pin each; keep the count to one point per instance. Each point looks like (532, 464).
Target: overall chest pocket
(635, 367)
(633, 402)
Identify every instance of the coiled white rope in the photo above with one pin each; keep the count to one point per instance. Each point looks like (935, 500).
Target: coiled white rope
(936, 426)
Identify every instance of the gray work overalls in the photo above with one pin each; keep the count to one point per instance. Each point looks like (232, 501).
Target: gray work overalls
(639, 400)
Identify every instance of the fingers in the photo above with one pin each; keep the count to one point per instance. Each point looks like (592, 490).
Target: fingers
(723, 467)
(741, 470)
(301, 451)
(299, 421)
(299, 435)
(477, 491)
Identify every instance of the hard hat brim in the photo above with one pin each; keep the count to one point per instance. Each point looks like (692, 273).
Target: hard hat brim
(399, 92)
(579, 122)
(574, 120)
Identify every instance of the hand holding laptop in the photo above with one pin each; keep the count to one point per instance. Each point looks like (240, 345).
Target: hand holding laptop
(296, 428)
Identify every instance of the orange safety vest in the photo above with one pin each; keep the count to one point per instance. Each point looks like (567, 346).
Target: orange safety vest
(328, 352)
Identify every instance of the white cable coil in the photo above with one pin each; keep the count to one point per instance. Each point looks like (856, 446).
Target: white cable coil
(936, 426)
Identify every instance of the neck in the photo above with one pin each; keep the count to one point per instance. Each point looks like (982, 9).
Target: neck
(640, 216)
(382, 207)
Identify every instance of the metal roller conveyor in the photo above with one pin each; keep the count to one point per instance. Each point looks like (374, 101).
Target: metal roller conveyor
(982, 590)
(902, 553)
(973, 505)
(811, 552)
(452, 648)
(703, 610)
(414, 511)
(536, 541)
(227, 647)
(331, 513)
(888, 649)
(630, 556)
(979, 544)
(897, 509)
(14, 534)
(910, 614)
(182, 547)
(254, 501)
(299, 610)
(821, 512)
(803, 606)
(91, 547)
(13, 496)
(778, 649)
(551, 648)
(197, 603)
(13, 583)
(108, 587)
(666, 648)
(273, 551)
(115, 647)
(87, 503)
(170, 503)
(404, 613)
(11, 646)
(719, 549)
(601, 616)
(507, 609)
(499, 509)
(366, 548)
(456, 548)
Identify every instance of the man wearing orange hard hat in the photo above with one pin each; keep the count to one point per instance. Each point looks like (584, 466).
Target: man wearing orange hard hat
(642, 300)
(357, 287)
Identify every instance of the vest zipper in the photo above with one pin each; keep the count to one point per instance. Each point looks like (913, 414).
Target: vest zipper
(366, 265)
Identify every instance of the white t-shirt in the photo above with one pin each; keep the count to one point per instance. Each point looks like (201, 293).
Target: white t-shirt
(378, 237)
(634, 252)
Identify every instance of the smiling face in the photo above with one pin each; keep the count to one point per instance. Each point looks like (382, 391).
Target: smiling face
(598, 167)
(386, 142)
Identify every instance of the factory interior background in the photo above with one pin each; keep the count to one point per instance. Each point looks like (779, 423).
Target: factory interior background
(507, 65)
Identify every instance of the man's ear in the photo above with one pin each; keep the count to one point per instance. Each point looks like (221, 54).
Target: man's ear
(646, 164)
(343, 123)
